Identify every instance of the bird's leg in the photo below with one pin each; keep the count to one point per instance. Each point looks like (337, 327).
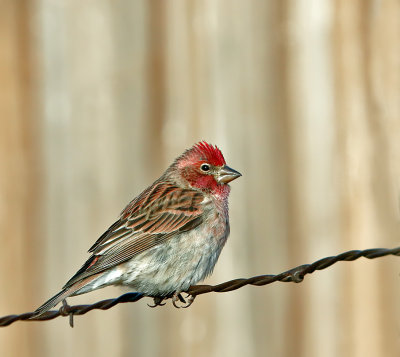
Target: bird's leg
(177, 296)
(157, 302)
(190, 299)
(64, 310)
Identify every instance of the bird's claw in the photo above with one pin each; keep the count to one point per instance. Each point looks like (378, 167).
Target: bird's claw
(157, 302)
(190, 298)
(178, 296)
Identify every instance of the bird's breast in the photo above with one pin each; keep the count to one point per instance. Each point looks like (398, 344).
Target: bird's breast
(182, 261)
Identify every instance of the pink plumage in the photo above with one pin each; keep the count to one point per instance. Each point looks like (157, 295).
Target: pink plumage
(167, 238)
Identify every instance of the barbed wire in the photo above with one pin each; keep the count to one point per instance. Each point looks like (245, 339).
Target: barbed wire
(295, 275)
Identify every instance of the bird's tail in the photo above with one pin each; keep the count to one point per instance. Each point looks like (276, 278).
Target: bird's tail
(52, 302)
(63, 294)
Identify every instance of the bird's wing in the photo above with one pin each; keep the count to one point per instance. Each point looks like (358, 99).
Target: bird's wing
(160, 212)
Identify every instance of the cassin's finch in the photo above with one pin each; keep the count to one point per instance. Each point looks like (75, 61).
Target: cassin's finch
(168, 238)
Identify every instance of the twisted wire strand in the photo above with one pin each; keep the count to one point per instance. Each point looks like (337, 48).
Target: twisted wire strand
(295, 275)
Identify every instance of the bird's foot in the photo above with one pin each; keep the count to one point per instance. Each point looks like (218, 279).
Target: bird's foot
(177, 296)
(65, 311)
(157, 302)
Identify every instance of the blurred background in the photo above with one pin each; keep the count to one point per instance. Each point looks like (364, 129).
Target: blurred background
(303, 98)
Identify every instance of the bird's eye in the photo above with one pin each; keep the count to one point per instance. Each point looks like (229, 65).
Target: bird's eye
(205, 167)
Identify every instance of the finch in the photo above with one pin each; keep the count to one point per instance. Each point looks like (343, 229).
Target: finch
(167, 238)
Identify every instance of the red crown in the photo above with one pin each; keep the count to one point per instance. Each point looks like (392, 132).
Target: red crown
(211, 153)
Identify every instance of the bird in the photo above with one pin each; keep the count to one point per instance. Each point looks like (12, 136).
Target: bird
(166, 239)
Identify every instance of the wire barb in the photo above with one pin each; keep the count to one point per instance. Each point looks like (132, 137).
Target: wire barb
(295, 275)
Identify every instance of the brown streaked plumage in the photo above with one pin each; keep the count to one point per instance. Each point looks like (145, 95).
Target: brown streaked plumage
(167, 238)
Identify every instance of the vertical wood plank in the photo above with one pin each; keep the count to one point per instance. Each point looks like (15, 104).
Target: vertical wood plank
(19, 184)
(302, 98)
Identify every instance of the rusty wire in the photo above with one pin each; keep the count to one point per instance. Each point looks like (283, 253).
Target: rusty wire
(295, 275)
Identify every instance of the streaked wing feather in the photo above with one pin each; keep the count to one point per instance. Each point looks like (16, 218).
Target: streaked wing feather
(109, 234)
(159, 213)
(126, 251)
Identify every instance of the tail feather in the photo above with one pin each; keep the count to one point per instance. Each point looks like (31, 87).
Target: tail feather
(63, 294)
(52, 302)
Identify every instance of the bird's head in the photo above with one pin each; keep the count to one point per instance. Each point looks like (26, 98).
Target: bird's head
(203, 167)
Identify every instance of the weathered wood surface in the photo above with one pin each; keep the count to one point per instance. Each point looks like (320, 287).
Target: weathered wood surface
(303, 97)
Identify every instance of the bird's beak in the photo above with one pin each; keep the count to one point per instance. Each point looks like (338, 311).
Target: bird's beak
(226, 174)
